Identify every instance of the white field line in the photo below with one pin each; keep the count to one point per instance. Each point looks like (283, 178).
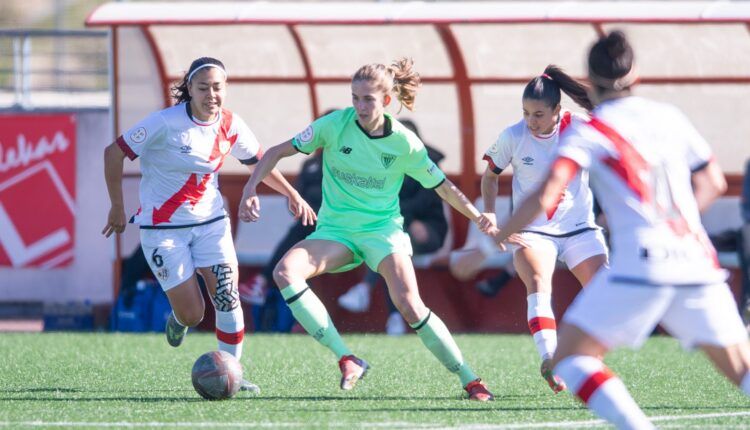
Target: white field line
(394, 424)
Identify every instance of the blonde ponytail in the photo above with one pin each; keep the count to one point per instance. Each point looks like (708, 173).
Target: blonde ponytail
(399, 78)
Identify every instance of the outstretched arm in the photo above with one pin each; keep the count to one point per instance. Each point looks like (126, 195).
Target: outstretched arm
(449, 192)
(297, 205)
(266, 172)
(544, 198)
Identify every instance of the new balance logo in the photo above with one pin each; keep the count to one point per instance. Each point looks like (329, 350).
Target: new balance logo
(346, 150)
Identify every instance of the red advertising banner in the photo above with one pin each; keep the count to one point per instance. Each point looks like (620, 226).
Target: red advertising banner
(37, 190)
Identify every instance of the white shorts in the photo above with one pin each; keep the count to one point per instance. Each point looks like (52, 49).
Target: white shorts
(571, 250)
(174, 254)
(625, 314)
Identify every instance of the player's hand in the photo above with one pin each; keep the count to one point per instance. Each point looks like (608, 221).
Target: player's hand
(487, 222)
(302, 210)
(249, 207)
(501, 240)
(115, 221)
(518, 240)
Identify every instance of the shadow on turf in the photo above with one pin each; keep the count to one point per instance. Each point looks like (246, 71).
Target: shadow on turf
(43, 390)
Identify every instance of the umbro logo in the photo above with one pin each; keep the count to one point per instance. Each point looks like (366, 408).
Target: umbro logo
(185, 149)
(528, 161)
(346, 150)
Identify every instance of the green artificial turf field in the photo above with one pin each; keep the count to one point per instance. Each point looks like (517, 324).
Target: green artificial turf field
(65, 380)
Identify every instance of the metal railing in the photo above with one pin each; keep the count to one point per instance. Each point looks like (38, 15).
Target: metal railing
(49, 68)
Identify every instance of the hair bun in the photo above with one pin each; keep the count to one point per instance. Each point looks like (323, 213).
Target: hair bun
(616, 44)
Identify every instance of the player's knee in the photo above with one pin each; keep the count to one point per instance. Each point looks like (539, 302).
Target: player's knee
(227, 296)
(282, 274)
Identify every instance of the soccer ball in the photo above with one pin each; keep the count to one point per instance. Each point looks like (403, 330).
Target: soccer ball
(217, 375)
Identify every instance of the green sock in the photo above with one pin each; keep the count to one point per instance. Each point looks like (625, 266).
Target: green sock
(313, 316)
(438, 340)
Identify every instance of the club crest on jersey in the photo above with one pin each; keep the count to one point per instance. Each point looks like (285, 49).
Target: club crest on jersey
(224, 146)
(387, 159)
(138, 135)
(528, 161)
(306, 135)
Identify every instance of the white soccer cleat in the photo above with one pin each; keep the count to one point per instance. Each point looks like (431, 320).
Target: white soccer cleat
(357, 299)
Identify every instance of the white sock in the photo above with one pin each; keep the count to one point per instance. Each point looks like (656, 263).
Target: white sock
(745, 384)
(602, 391)
(230, 331)
(542, 323)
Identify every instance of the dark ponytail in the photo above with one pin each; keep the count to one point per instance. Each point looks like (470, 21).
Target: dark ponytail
(611, 62)
(547, 88)
(180, 91)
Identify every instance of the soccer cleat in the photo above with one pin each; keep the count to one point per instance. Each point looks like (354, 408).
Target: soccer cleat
(478, 391)
(248, 386)
(352, 370)
(175, 331)
(357, 299)
(554, 382)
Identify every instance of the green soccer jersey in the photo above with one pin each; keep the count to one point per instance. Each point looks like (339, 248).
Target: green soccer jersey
(362, 174)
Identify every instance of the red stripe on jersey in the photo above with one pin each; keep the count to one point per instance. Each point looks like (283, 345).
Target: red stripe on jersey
(594, 381)
(126, 148)
(567, 117)
(191, 191)
(542, 323)
(230, 338)
(631, 164)
(221, 137)
(492, 165)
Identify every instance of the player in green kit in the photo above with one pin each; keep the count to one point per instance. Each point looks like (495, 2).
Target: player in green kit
(366, 154)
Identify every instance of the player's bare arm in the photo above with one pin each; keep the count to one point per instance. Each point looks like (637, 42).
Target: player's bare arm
(545, 197)
(249, 204)
(113, 163)
(488, 219)
(297, 205)
(708, 184)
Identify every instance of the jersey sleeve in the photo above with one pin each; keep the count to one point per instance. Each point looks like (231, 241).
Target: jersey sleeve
(315, 135)
(499, 155)
(146, 134)
(698, 153)
(246, 148)
(420, 167)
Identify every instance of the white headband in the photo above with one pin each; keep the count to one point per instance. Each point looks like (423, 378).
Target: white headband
(203, 66)
(617, 84)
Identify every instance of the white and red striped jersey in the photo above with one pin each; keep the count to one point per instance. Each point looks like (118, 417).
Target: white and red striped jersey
(180, 158)
(641, 155)
(531, 158)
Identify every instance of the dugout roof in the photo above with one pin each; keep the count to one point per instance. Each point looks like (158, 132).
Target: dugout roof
(288, 62)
